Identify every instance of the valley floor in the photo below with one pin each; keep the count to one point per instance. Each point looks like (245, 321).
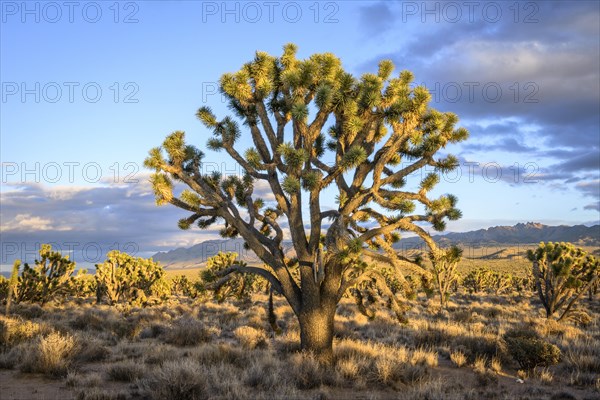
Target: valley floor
(186, 349)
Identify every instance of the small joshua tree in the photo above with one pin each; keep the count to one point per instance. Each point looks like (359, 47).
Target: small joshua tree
(12, 285)
(224, 284)
(444, 263)
(130, 279)
(50, 278)
(562, 274)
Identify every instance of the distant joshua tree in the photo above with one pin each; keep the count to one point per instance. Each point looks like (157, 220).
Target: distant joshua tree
(381, 131)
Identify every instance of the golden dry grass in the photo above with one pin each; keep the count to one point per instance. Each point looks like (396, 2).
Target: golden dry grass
(190, 349)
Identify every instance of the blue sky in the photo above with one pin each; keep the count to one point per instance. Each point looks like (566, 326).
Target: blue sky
(88, 90)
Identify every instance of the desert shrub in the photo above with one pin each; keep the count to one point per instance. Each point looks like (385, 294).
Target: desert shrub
(50, 278)
(475, 345)
(123, 278)
(153, 331)
(529, 350)
(182, 380)
(249, 337)
(210, 354)
(10, 359)
(16, 330)
(160, 354)
(90, 319)
(187, 331)
(51, 355)
(92, 352)
(265, 373)
(125, 371)
(127, 328)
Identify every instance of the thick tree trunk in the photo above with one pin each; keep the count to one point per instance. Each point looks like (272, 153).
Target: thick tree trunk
(316, 332)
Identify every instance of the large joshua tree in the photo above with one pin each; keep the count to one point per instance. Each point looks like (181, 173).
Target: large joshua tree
(380, 133)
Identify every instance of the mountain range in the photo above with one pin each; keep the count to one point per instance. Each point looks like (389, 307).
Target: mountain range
(519, 234)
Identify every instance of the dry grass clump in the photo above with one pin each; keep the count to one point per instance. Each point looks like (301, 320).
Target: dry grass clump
(152, 331)
(28, 311)
(458, 358)
(91, 319)
(223, 353)
(288, 342)
(78, 380)
(182, 380)
(583, 356)
(496, 365)
(125, 371)
(544, 376)
(16, 330)
(250, 338)
(51, 355)
(10, 359)
(265, 373)
(483, 375)
(364, 362)
(161, 353)
(187, 331)
(101, 394)
(307, 373)
(425, 357)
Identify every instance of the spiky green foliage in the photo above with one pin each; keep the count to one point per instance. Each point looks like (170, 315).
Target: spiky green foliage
(49, 279)
(133, 280)
(182, 286)
(227, 285)
(84, 284)
(382, 133)
(562, 274)
(12, 285)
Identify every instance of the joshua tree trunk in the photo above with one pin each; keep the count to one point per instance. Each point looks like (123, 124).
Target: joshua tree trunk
(316, 332)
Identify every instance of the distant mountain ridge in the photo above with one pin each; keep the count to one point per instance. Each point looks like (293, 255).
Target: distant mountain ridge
(522, 233)
(197, 254)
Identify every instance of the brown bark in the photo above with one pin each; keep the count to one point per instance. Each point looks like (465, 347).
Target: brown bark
(316, 332)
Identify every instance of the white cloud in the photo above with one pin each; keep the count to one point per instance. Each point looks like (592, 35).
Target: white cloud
(28, 222)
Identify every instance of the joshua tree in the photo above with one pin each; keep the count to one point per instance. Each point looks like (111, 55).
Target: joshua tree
(50, 278)
(123, 277)
(444, 263)
(12, 285)
(240, 286)
(381, 133)
(562, 273)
